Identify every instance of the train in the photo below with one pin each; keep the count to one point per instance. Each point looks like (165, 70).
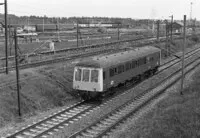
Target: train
(64, 27)
(53, 27)
(94, 77)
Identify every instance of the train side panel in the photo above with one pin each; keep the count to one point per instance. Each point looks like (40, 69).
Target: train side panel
(154, 62)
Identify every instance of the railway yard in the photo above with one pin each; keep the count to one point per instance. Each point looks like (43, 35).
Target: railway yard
(99, 77)
(52, 109)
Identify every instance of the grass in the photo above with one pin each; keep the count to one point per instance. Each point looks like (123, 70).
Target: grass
(174, 117)
(37, 95)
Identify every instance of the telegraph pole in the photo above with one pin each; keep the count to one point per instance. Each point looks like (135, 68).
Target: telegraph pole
(10, 43)
(158, 30)
(43, 24)
(118, 32)
(167, 43)
(183, 55)
(191, 12)
(58, 29)
(77, 33)
(17, 72)
(171, 26)
(6, 35)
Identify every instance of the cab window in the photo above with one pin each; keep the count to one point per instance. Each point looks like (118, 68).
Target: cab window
(112, 72)
(94, 75)
(78, 74)
(86, 73)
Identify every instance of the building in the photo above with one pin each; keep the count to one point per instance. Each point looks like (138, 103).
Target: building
(177, 27)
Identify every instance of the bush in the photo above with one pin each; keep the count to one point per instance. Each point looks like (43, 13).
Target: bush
(195, 38)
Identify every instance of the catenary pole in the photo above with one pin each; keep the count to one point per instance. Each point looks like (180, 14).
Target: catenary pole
(158, 30)
(6, 35)
(183, 55)
(167, 43)
(43, 24)
(171, 27)
(77, 32)
(118, 32)
(17, 72)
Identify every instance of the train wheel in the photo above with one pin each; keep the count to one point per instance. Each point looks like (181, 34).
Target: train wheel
(85, 97)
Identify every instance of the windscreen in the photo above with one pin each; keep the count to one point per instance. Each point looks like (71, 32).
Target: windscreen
(86, 73)
(78, 74)
(94, 75)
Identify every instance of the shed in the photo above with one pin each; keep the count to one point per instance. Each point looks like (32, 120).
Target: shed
(177, 27)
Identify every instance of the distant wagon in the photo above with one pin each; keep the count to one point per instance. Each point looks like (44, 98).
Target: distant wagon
(46, 27)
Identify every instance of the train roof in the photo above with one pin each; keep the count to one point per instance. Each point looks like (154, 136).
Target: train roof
(117, 58)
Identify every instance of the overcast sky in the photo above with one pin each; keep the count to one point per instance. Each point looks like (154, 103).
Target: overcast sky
(150, 9)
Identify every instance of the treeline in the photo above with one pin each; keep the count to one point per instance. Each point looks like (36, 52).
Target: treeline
(33, 20)
(13, 19)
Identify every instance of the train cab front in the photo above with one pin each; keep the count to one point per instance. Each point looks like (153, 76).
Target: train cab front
(88, 81)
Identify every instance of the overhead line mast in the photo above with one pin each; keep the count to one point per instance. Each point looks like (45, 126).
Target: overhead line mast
(191, 11)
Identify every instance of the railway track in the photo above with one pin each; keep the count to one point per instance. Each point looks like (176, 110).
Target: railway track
(80, 47)
(44, 128)
(60, 59)
(106, 124)
(64, 117)
(174, 61)
(163, 67)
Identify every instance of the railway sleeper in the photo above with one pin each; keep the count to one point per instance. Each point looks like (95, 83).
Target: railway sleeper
(92, 131)
(87, 134)
(96, 128)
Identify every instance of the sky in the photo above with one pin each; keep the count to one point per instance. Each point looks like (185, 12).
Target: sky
(137, 9)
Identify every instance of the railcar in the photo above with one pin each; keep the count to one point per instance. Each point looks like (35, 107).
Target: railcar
(95, 76)
(53, 27)
(46, 27)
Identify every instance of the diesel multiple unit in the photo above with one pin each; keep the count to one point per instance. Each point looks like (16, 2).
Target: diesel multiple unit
(95, 76)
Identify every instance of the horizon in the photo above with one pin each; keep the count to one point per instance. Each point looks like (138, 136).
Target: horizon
(134, 9)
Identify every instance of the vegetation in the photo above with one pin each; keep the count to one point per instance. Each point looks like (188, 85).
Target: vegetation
(47, 90)
(174, 117)
(195, 38)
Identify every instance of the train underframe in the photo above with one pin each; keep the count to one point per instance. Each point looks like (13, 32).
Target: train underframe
(88, 95)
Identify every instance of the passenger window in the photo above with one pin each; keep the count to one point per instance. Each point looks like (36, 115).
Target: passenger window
(115, 69)
(86, 73)
(128, 66)
(133, 64)
(94, 75)
(148, 59)
(78, 74)
(104, 75)
(112, 72)
(136, 63)
(120, 69)
(140, 62)
(145, 60)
